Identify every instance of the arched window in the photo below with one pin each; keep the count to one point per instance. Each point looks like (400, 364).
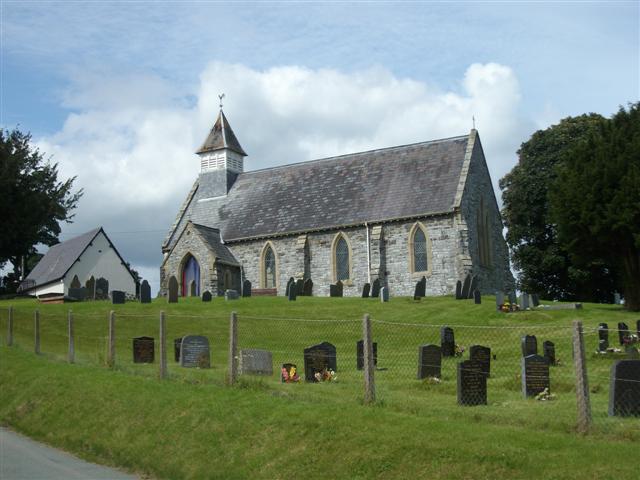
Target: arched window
(269, 267)
(341, 258)
(419, 250)
(190, 277)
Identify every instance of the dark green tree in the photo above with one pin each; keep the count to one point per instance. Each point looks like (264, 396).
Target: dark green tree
(543, 266)
(34, 201)
(595, 200)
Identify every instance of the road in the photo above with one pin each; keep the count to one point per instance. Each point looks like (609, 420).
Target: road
(21, 458)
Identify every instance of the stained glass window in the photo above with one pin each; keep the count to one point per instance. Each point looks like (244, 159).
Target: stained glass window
(269, 268)
(342, 259)
(419, 251)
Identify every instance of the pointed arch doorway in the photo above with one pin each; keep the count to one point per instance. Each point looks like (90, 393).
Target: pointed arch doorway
(190, 277)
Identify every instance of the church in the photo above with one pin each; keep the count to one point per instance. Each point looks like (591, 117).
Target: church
(393, 214)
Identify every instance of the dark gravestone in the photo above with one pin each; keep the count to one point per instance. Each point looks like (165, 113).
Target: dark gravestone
(143, 350)
(384, 294)
(290, 282)
(256, 362)
(75, 283)
(499, 301)
(360, 354)
(447, 342)
(421, 289)
(365, 290)
(458, 290)
(173, 290)
(78, 294)
(206, 296)
(246, 288)
(293, 292)
(623, 332)
(102, 289)
(472, 286)
(300, 287)
(535, 375)
(318, 358)
(465, 286)
(91, 288)
(333, 290)
(176, 348)
(549, 352)
(340, 287)
(535, 300)
(145, 292)
(482, 356)
(194, 352)
(477, 298)
(624, 389)
(603, 337)
(638, 328)
(117, 297)
(472, 384)
(529, 344)
(288, 373)
(429, 361)
(193, 289)
(375, 288)
(307, 288)
(512, 301)
(524, 301)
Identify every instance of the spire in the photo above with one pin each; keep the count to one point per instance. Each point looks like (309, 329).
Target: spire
(221, 137)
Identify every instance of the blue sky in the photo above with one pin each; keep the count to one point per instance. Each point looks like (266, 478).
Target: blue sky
(121, 93)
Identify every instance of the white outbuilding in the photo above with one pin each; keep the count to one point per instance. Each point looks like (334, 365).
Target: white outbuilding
(77, 262)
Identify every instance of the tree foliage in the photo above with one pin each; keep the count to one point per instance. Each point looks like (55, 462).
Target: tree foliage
(543, 265)
(595, 200)
(34, 200)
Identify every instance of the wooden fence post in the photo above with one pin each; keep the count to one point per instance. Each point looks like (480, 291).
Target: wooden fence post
(111, 348)
(582, 382)
(36, 332)
(163, 345)
(72, 347)
(233, 348)
(10, 328)
(369, 365)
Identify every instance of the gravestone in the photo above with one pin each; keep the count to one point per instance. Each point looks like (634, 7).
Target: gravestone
(384, 294)
(465, 286)
(535, 375)
(529, 344)
(623, 331)
(375, 288)
(173, 290)
(482, 356)
(499, 301)
(78, 294)
(616, 298)
(477, 298)
(231, 295)
(535, 300)
(288, 372)
(624, 389)
(360, 354)
(145, 292)
(524, 301)
(299, 287)
(194, 352)
(117, 297)
(512, 301)
(143, 350)
(176, 348)
(293, 293)
(447, 342)
(256, 362)
(307, 288)
(429, 361)
(246, 288)
(549, 352)
(206, 296)
(340, 287)
(473, 286)
(75, 283)
(193, 289)
(472, 384)
(333, 290)
(91, 288)
(421, 289)
(290, 282)
(365, 290)
(603, 337)
(102, 289)
(638, 328)
(318, 358)
(458, 290)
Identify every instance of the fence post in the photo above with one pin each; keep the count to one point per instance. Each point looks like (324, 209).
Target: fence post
(111, 348)
(72, 346)
(582, 382)
(369, 365)
(10, 328)
(233, 348)
(163, 345)
(36, 332)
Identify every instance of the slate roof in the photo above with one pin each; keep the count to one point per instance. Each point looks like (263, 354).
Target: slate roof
(221, 136)
(211, 236)
(393, 183)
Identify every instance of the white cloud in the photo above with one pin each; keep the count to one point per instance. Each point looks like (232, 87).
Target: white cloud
(132, 138)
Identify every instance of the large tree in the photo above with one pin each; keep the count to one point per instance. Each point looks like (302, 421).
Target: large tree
(33, 200)
(542, 264)
(595, 200)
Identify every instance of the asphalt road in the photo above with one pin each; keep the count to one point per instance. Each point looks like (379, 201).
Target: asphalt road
(21, 458)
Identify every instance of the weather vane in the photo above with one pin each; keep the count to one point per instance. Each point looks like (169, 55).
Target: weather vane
(221, 96)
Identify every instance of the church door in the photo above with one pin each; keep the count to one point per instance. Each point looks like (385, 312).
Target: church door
(191, 278)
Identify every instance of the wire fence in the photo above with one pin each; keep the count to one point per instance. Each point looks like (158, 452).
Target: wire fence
(526, 375)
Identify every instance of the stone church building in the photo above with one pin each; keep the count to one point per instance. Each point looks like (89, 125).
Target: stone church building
(394, 214)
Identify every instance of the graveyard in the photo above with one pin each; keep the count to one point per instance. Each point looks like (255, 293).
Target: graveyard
(460, 388)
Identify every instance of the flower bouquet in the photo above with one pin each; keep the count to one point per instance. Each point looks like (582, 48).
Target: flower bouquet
(326, 376)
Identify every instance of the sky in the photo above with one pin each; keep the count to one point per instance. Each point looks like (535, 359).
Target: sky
(121, 94)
